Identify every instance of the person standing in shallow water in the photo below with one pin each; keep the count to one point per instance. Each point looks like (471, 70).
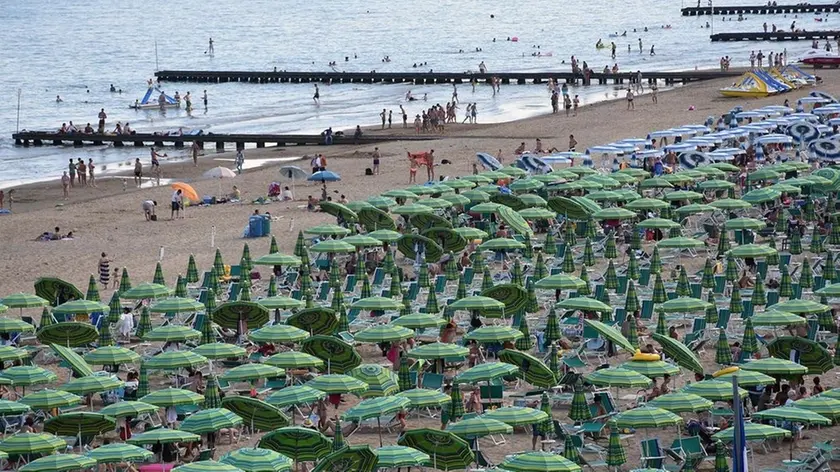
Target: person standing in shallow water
(316, 97)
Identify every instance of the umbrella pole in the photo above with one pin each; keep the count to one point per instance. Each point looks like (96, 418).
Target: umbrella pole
(379, 428)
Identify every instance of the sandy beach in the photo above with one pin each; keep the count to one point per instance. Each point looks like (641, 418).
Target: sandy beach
(108, 219)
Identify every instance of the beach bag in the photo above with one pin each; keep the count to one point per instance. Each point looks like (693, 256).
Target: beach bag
(153, 217)
(368, 171)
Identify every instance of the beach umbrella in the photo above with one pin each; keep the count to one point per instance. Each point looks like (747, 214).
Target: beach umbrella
(437, 350)
(158, 277)
(92, 290)
(569, 236)
(25, 376)
(419, 321)
(210, 420)
(212, 397)
(214, 281)
(524, 343)
(423, 276)
(646, 417)
(752, 432)
(821, 404)
(432, 303)
(79, 423)
(333, 246)
(297, 443)
(461, 292)
(68, 334)
(656, 223)
(714, 390)
(552, 328)
(516, 273)
(192, 268)
(772, 259)
(554, 361)
(583, 304)
(531, 369)
(635, 241)
(579, 409)
(337, 384)
(478, 427)
(616, 456)
(493, 334)
(206, 466)
(801, 307)
(162, 436)
(723, 243)
(610, 278)
(48, 399)
(143, 382)
(8, 408)
(125, 282)
(659, 295)
(395, 457)
(816, 246)
(147, 290)
(794, 415)
(759, 296)
(425, 398)
(278, 259)
(776, 318)
(172, 333)
(486, 281)
(828, 272)
(478, 263)
(681, 402)
(588, 254)
(584, 290)
(617, 377)
(167, 397)
(708, 280)
(560, 282)
(381, 382)
(610, 333)
(294, 360)
(338, 355)
(655, 262)
(257, 414)
(251, 373)
(294, 395)
(747, 378)
(809, 354)
(731, 274)
(404, 381)
(517, 415)
(116, 453)
(539, 461)
(447, 451)
(723, 354)
(785, 284)
(300, 250)
(610, 250)
(114, 310)
(376, 408)
(176, 305)
(645, 204)
(749, 344)
(486, 372)
(31, 443)
(679, 352)
(180, 287)
(388, 263)
(806, 275)
(252, 459)
(59, 463)
(76, 307)
(795, 243)
(93, 384)
(631, 304)
(735, 303)
(230, 314)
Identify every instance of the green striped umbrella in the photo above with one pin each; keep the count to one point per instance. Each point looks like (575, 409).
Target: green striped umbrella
(759, 295)
(773, 366)
(295, 395)
(437, 351)
(114, 309)
(143, 382)
(158, 277)
(723, 354)
(432, 303)
(92, 290)
(560, 282)
(539, 461)
(172, 333)
(492, 334)
(680, 243)
(214, 280)
(10, 353)
(68, 334)
(176, 305)
(579, 409)
(278, 333)
(616, 456)
(632, 266)
(795, 415)
(451, 271)
(644, 204)
(617, 377)
(681, 402)
(829, 273)
(212, 397)
(711, 314)
(377, 304)
(381, 382)
(735, 224)
(651, 368)
(105, 338)
(48, 399)
(554, 361)
(834, 236)
(486, 372)
(297, 443)
(776, 318)
(404, 381)
(631, 303)
(655, 262)
(219, 351)
(552, 328)
(659, 295)
(394, 457)
(210, 421)
(81, 423)
(801, 307)
(147, 290)
(568, 261)
(785, 284)
(817, 245)
(478, 427)
(257, 414)
(547, 426)
(423, 276)
(252, 459)
(661, 324)
(207, 333)
(708, 280)
(26, 375)
(747, 378)
(317, 320)
(326, 230)
(679, 352)
(447, 451)
(633, 335)
(162, 436)
(647, 417)
(588, 254)
(635, 241)
(456, 403)
(460, 293)
(425, 398)
(125, 282)
(584, 304)
(773, 259)
(610, 278)
(723, 243)
(821, 404)
(31, 443)
(749, 344)
(206, 466)
(337, 384)
(731, 273)
(525, 343)
(806, 275)
(610, 250)
(396, 283)
(92, 384)
(278, 259)
(419, 321)
(115, 453)
(684, 305)
(294, 360)
(128, 408)
(8, 407)
(531, 369)
(76, 307)
(46, 316)
(516, 415)
(251, 373)
(714, 390)
(180, 287)
(167, 397)
(609, 332)
(584, 290)
(795, 243)
(300, 250)
(683, 287)
(752, 432)
(192, 268)
(59, 463)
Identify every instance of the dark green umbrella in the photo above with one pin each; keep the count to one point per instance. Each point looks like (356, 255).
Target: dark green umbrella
(158, 277)
(55, 291)
(76, 362)
(279, 333)
(295, 395)
(531, 369)
(609, 332)
(525, 343)
(229, 314)
(515, 298)
(257, 414)
(433, 251)
(31, 443)
(683, 288)
(162, 436)
(539, 461)
(339, 356)
(810, 354)
(92, 291)
(251, 459)
(723, 354)
(143, 382)
(114, 309)
(447, 451)
(382, 382)
(297, 443)
(116, 453)
(125, 282)
(552, 328)
(68, 333)
(679, 352)
(610, 278)
(579, 409)
(355, 458)
(59, 463)
(79, 423)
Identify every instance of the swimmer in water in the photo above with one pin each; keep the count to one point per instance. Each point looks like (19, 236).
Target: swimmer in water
(58, 99)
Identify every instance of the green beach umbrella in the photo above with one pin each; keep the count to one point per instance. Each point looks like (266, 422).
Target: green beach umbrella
(172, 397)
(486, 281)
(776, 318)
(655, 262)
(749, 343)
(125, 282)
(25, 376)
(147, 290)
(785, 284)
(192, 268)
(257, 414)
(158, 277)
(400, 456)
(337, 384)
(114, 310)
(747, 378)
(681, 402)
(447, 451)
(820, 404)
(162, 436)
(714, 390)
(684, 305)
(437, 350)
(206, 466)
(425, 398)
(610, 278)
(610, 250)
(295, 395)
(92, 384)
(772, 259)
(297, 443)
(128, 408)
(579, 409)
(210, 420)
(48, 399)
(809, 354)
(180, 287)
(478, 427)
(251, 373)
(708, 280)
(617, 377)
(795, 415)
(723, 354)
(381, 382)
(493, 334)
(806, 275)
(801, 307)
(143, 382)
(172, 333)
(92, 290)
(486, 372)
(795, 243)
(524, 343)
(659, 295)
(647, 417)
(723, 243)
(59, 463)
(116, 453)
(81, 423)
(616, 456)
(31, 443)
(539, 461)
(219, 351)
(679, 352)
(531, 369)
(279, 333)
(176, 305)
(212, 396)
(249, 459)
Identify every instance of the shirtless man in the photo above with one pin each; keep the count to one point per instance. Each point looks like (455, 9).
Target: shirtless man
(194, 150)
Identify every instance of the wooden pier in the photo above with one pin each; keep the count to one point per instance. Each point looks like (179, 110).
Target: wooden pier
(760, 9)
(421, 78)
(777, 36)
(41, 138)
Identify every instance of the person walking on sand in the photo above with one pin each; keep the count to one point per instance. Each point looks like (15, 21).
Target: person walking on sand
(575, 105)
(641, 49)
(240, 160)
(454, 93)
(652, 50)
(473, 115)
(653, 90)
(90, 168)
(629, 95)
(376, 157)
(149, 209)
(177, 201)
(317, 96)
(382, 116)
(194, 151)
(65, 184)
(72, 170)
(138, 172)
(430, 165)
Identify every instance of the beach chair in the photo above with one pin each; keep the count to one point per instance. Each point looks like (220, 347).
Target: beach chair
(720, 283)
(723, 318)
(233, 292)
(378, 276)
(647, 310)
(652, 456)
(347, 337)
(599, 291)
(469, 275)
(432, 381)
(323, 291)
(291, 278)
(747, 310)
(440, 283)
(622, 285)
(772, 297)
(762, 269)
(492, 395)
(413, 290)
(235, 272)
(644, 277)
(690, 449)
(205, 279)
(696, 290)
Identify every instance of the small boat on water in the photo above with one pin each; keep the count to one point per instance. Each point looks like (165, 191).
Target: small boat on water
(148, 103)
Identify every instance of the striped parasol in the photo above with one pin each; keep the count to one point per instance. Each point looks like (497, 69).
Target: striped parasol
(516, 273)
(245, 262)
(631, 302)
(207, 333)
(633, 332)
(782, 223)
(635, 240)
(825, 318)
(723, 243)
(785, 284)
(334, 276)
(105, 338)
(540, 269)
(554, 361)
(338, 438)
(610, 278)
(723, 355)
(533, 305)
(834, 236)
(114, 310)
(616, 456)
(552, 328)
(759, 295)
(47, 319)
(92, 291)
(406, 308)
(795, 243)
(817, 245)
(585, 289)
(158, 277)
(192, 270)
(546, 427)
(478, 262)
(711, 310)
(731, 273)
(655, 262)
(829, 272)
(647, 417)
(659, 295)
(212, 398)
(451, 271)
(432, 303)
(396, 282)
(588, 254)
(487, 280)
(304, 279)
(568, 261)
(808, 213)
(661, 324)
(214, 280)
(125, 282)
(143, 382)
(300, 246)
(735, 304)
(404, 376)
(579, 410)
(456, 404)
(708, 280)
(423, 276)
(591, 232)
(605, 299)
(806, 275)
(749, 343)
(772, 259)
(570, 452)
(610, 250)
(366, 291)
(632, 266)
(461, 292)
(337, 300)
(528, 252)
(219, 264)
(683, 288)
(569, 236)
(145, 324)
(525, 343)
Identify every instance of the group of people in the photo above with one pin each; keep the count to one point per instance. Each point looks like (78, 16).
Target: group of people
(757, 59)
(78, 174)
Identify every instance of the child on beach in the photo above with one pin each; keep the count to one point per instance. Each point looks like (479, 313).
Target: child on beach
(412, 171)
(116, 282)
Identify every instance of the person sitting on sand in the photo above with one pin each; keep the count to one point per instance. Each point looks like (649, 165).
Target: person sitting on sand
(520, 149)
(745, 281)
(287, 195)
(538, 148)
(235, 195)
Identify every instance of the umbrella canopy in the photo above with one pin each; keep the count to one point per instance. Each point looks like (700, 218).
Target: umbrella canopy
(337, 384)
(486, 372)
(24, 376)
(48, 399)
(111, 355)
(31, 443)
(810, 354)
(493, 334)
(792, 414)
(177, 305)
(333, 246)
(172, 333)
(219, 351)
(425, 398)
(610, 332)
(115, 453)
(681, 402)
(172, 397)
(128, 408)
(684, 305)
(539, 461)
(752, 250)
(752, 432)
(730, 204)
(680, 243)
(278, 259)
(356, 458)
(146, 290)
(295, 395)
(531, 369)
(774, 366)
(210, 420)
(82, 423)
(76, 362)
(294, 360)
(777, 318)
(8, 407)
(617, 377)
(174, 360)
(447, 450)
(560, 282)
(228, 314)
(678, 351)
(651, 368)
(400, 456)
(381, 382)
(438, 350)
(419, 321)
(614, 213)
(59, 463)
(376, 408)
(517, 415)
(646, 417)
(85, 307)
(54, 290)
(93, 384)
(339, 356)
(297, 443)
(26, 300)
(206, 466)
(478, 303)
(279, 333)
(478, 427)
(257, 414)
(714, 390)
(68, 334)
(584, 304)
(251, 373)
(747, 378)
(801, 307)
(253, 459)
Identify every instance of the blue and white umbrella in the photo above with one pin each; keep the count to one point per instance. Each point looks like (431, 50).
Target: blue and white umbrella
(604, 150)
(774, 139)
(624, 147)
(777, 108)
(756, 129)
(803, 116)
(803, 132)
(487, 161)
(562, 157)
(748, 114)
(649, 153)
(638, 142)
(693, 159)
(834, 122)
(535, 165)
(826, 149)
(717, 156)
(681, 147)
(759, 153)
(813, 99)
(829, 97)
(324, 176)
(698, 129)
(827, 110)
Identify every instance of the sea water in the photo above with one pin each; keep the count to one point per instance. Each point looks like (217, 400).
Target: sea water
(78, 49)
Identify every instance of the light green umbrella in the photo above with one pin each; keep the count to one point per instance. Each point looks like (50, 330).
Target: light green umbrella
(437, 350)
(714, 390)
(210, 420)
(680, 243)
(684, 305)
(327, 230)
(219, 351)
(377, 304)
(651, 368)
(614, 213)
(146, 290)
(48, 399)
(278, 259)
(31, 443)
(773, 366)
(425, 398)
(493, 334)
(206, 466)
(560, 282)
(539, 461)
(531, 369)
(128, 408)
(501, 244)
(516, 415)
(115, 453)
(59, 463)
(251, 373)
(822, 404)
(248, 459)
(801, 307)
(24, 375)
(658, 223)
(295, 395)
(583, 304)
(174, 360)
(163, 436)
(744, 223)
(337, 383)
(679, 352)
(681, 402)
(777, 318)
(419, 321)
(80, 307)
(177, 305)
(294, 360)
(394, 457)
(792, 414)
(752, 432)
(752, 250)
(376, 408)
(381, 382)
(24, 300)
(646, 417)
(279, 333)
(747, 378)
(762, 195)
(478, 427)
(617, 377)
(486, 372)
(172, 397)
(92, 384)
(610, 333)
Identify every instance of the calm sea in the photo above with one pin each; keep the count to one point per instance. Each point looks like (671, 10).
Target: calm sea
(78, 49)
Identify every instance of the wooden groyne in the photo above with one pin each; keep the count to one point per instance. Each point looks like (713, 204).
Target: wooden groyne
(776, 36)
(759, 9)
